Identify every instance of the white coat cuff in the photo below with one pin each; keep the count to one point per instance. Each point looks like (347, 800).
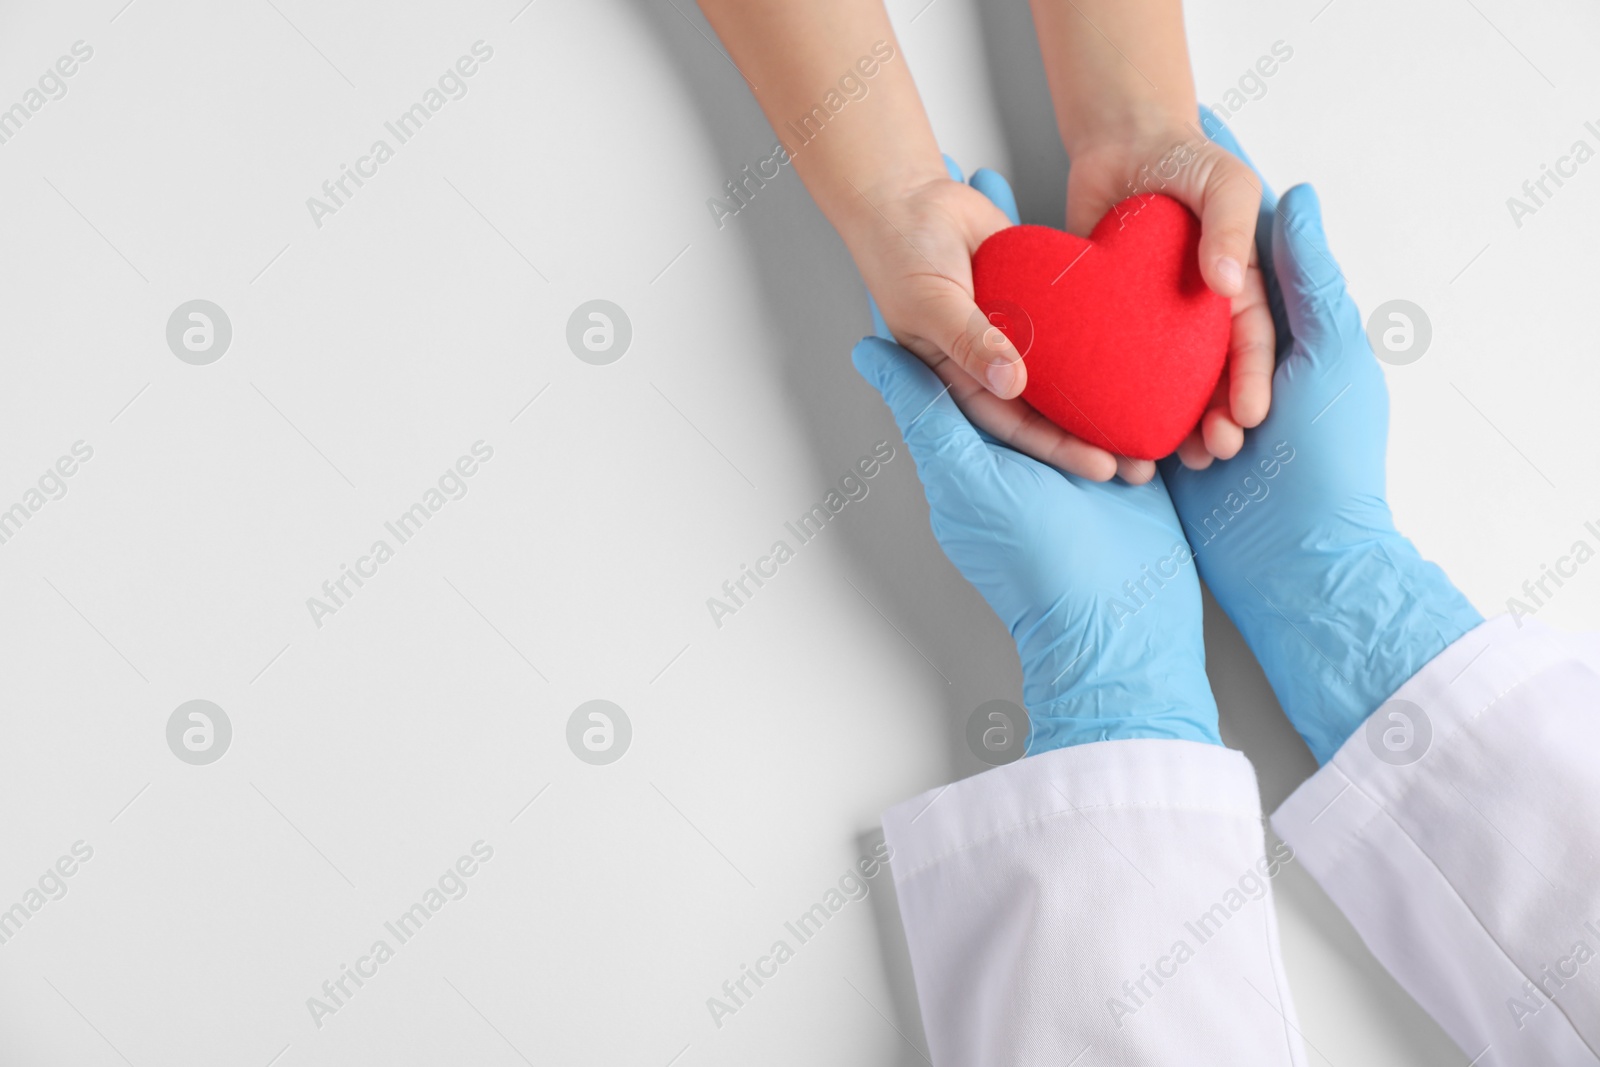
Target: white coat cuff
(1456, 831)
(1107, 903)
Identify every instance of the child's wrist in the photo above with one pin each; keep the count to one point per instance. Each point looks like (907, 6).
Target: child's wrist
(854, 202)
(1130, 121)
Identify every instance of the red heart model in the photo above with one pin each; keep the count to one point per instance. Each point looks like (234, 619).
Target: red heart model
(1123, 340)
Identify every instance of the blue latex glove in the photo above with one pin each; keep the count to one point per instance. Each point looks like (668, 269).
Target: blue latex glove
(1294, 535)
(1093, 579)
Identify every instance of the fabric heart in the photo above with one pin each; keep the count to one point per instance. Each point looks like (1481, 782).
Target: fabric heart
(1123, 339)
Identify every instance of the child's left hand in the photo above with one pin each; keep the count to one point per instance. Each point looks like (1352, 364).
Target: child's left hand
(1226, 196)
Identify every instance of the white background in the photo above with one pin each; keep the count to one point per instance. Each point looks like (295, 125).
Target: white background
(369, 753)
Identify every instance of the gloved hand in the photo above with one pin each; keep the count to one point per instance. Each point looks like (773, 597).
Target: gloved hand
(1092, 578)
(1294, 535)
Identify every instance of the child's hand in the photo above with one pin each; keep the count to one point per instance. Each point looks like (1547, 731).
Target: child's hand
(914, 249)
(1225, 195)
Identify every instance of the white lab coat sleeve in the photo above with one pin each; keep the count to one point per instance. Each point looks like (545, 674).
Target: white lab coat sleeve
(1104, 905)
(1460, 833)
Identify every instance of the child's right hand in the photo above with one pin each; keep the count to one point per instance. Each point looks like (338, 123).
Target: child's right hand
(914, 248)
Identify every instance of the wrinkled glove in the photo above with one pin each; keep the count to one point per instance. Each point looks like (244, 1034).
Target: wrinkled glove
(1294, 535)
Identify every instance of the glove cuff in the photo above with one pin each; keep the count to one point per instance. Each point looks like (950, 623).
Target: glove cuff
(1114, 692)
(1382, 614)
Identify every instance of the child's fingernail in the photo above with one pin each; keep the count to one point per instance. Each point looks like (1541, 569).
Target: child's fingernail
(1230, 273)
(1003, 378)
